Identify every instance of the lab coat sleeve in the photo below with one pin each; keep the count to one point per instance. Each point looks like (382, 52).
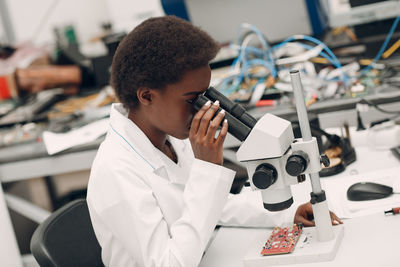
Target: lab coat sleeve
(138, 223)
(246, 210)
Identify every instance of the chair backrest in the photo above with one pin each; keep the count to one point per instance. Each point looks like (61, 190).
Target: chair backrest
(66, 238)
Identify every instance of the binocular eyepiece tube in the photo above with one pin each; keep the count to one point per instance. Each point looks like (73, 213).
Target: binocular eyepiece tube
(233, 108)
(240, 122)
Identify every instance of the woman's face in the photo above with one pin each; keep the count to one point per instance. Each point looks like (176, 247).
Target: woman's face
(173, 110)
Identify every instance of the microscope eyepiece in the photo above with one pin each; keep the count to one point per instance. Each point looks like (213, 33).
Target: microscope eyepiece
(233, 108)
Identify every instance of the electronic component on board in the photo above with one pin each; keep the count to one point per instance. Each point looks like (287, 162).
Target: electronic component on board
(282, 240)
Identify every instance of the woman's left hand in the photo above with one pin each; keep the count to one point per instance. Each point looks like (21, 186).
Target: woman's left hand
(305, 215)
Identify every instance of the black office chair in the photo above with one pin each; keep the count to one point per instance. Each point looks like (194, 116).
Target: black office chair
(66, 238)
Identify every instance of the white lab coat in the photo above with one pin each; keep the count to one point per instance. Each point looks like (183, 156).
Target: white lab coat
(147, 210)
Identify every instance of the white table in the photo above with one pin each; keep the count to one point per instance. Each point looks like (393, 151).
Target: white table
(368, 241)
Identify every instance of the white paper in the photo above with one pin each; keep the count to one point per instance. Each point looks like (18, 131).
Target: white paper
(56, 142)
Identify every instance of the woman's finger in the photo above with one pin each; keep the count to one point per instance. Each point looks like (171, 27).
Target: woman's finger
(304, 221)
(194, 126)
(214, 124)
(223, 132)
(335, 219)
(206, 118)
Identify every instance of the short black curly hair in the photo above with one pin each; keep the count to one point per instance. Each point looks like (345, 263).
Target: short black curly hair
(158, 52)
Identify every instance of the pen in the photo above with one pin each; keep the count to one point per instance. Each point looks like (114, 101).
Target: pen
(393, 211)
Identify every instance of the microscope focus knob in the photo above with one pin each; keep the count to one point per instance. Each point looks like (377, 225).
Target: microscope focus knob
(297, 163)
(264, 176)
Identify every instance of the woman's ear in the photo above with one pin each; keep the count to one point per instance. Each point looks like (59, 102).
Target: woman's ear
(145, 96)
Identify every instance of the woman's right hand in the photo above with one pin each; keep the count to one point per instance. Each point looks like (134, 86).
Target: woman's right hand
(202, 133)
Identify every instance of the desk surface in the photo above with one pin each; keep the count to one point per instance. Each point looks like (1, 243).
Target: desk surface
(35, 150)
(367, 241)
(31, 160)
(389, 95)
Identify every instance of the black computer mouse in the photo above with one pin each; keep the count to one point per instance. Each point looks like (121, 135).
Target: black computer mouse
(368, 191)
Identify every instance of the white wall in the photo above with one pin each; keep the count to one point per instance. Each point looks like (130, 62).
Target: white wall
(85, 15)
(3, 38)
(126, 14)
(276, 19)
(35, 19)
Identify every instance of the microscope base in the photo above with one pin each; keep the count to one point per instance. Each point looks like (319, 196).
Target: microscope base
(308, 249)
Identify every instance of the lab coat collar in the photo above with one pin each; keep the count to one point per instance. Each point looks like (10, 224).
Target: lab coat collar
(129, 131)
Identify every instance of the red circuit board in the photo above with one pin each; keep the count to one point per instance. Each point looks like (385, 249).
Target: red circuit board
(282, 240)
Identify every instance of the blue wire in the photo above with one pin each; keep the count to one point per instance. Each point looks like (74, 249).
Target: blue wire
(334, 60)
(269, 62)
(242, 57)
(258, 33)
(267, 53)
(383, 47)
(257, 61)
(251, 49)
(313, 40)
(331, 60)
(246, 65)
(309, 47)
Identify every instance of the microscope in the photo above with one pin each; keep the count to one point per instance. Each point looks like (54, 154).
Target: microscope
(275, 160)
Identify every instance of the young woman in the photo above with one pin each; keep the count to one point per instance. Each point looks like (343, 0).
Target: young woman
(157, 188)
